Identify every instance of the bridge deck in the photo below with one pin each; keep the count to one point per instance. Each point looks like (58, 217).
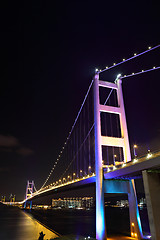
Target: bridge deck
(128, 170)
(134, 168)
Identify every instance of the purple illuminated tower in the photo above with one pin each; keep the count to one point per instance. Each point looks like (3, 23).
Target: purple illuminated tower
(103, 185)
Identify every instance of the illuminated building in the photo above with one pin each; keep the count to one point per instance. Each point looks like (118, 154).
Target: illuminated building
(76, 203)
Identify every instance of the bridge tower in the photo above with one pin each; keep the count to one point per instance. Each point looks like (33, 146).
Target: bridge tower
(3, 198)
(29, 192)
(12, 198)
(102, 186)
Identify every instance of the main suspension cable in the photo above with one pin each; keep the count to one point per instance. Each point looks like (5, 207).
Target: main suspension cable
(126, 60)
(143, 71)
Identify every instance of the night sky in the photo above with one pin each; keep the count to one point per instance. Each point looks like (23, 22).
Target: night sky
(49, 52)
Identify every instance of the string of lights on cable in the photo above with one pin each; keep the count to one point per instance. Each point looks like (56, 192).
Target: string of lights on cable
(126, 60)
(143, 71)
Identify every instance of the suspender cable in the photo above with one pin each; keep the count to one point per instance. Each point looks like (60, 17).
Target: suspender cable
(84, 147)
(88, 125)
(77, 157)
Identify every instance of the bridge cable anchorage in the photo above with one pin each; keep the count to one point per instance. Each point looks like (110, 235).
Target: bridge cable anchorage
(126, 60)
(143, 71)
(68, 135)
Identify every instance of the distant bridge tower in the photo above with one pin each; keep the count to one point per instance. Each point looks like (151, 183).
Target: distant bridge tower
(12, 198)
(29, 192)
(3, 198)
(29, 189)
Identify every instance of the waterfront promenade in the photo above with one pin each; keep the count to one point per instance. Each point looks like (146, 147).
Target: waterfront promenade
(18, 225)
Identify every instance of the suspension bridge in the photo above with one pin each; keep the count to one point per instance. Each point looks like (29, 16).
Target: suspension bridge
(97, 151)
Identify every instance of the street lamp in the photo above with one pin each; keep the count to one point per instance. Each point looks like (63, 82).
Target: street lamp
(89, 169)
(149, 153)
(134, 150)
(74, 176)
(64, 179)
(81, 173)
(68, 177)
(114, 160)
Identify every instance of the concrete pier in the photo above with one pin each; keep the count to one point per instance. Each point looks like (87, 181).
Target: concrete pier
(152, 191)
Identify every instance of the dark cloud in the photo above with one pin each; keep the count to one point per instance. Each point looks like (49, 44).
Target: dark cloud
(12, 144)
(4, 170)
(25, 151)
(8, 141)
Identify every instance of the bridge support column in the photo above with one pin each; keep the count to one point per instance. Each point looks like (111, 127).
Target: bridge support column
(100, 209)
(123, 123)
(135, 222)
(25, 204)
(152, 191)
(30, 205)
(127, 187)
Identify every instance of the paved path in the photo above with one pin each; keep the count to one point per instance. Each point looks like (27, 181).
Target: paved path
(120, 238)
(18, 225)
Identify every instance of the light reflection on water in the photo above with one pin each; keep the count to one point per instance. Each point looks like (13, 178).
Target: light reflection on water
(17, 225)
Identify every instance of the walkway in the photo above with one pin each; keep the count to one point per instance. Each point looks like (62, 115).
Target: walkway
(120, 238)
(17, 225)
